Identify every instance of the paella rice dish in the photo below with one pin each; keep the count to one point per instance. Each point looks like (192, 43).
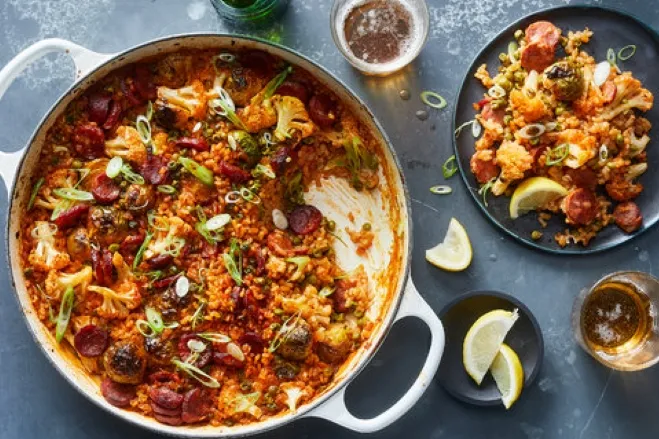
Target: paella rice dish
(552, 111)
(167, 244)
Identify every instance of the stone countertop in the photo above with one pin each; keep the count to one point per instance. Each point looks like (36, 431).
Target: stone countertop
(574, 397)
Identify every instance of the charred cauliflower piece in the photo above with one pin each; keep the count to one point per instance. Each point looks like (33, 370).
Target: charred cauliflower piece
(514, 160)
(57, 282)
(186, 102)
(292, 118)
(629, 94)
(127, 145)
(45, 256)
(120, 297)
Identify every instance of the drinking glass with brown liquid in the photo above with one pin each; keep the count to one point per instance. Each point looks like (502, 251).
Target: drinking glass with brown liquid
(615, 321)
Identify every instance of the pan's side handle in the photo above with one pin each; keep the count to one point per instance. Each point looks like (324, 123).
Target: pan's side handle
(335, 409)
(84, 59)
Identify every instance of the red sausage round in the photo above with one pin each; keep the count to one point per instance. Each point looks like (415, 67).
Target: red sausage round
(196, 143)
(484, 170)
(581, 206)
(98, 106)
(628, 216)
(322, 110)
(105, 190)
(113, 115)
(196, 406)
(184, 351)
(304, 220)
(234, 173)
(117, 394)
(166, 397)
(89, 141)
(295, 89)
(71, 216)
(91, 341)
(154, 170)
(542, 32)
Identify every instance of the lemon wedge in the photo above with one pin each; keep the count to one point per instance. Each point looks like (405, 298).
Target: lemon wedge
(454, 252)
(508, 375)
(483, 341)
(533, 193)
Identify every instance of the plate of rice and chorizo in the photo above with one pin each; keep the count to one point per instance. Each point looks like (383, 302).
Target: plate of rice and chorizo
(209, 237)
(553, 129)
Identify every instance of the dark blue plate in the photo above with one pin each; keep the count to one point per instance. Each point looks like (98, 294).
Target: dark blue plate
(525, 338)
(612, 29)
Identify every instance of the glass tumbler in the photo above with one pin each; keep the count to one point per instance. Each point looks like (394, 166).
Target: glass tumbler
(250, 12)
(345, 13)
(615, 321)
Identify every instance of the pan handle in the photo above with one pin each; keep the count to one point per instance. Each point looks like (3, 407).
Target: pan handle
(335, 410)
(84, 59)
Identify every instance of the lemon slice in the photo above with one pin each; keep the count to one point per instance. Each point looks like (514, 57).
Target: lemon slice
(483, 341)
(508, 374)
(454, 252)
(533, 193)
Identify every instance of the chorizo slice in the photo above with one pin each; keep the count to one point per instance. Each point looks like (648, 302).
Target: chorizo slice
(154, 169)
(537, 56)
(196, 143)
(609, 91)
(196, 406)
(98, 106)
(105, 190)
(484, 170)
(119, 395)
(91, 341)
(234, 173)
(166, 397)
(583, 177)
(581, 206)
(322, 110)
(628, 216)
(295, 89)
(305, 220)
(542, 32)
(184, 350)
(70, 217)
(493, 115)
(89, 141)
(281, 245)
(174, 421)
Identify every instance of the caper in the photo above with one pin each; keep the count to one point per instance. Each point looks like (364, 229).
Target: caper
(534, 141)
(113, 247)
(536, 234)
(519, 76)
(509, 136)
(503, 57)
(505, 84)
(366, 227)
(519, 33)
(559, 110)
(620, 138)
(507, 119)
(297, 240)
(76, 164)
(331, 225)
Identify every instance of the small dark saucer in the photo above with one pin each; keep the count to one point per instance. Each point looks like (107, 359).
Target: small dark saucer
(525, 338)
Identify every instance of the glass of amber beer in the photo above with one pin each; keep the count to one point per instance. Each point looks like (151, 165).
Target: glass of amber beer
(615, 320)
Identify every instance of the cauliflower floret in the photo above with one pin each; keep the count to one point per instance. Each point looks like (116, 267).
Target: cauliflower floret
(127, 145)
(169, 237)
(637, 145)
(581, 147)
(186, 102)
(629, 95)
(57, 282)
(514, 160)
(60, 178)
(531, 109)
(294, 393)
(292, 118)
(45, 256)
(313, 308)
(260, 113)
(122, 296)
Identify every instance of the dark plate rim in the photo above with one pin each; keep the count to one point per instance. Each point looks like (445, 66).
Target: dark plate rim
(528, 242)
(522, 309)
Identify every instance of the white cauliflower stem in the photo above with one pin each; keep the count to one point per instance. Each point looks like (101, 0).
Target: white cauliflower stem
(292, 118)
(45, 256)
(127, 145)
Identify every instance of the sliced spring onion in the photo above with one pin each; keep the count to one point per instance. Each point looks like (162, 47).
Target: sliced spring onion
(601, 73)
(218, 221)
(603, 153)
(496, 91)
(149, 111)
(231, 140)
(476, 128)
(154, 318)
(441, 190)
(512, 49)
(224, 106)
(65, 308)
(449, 168)
(267, 139)
(433, 100)
(215, 337)
(279, 219)
(166, 189)
(232, 197)
(143, 127)
(142, 249)
(326, 291)
(235, 351)
(174, 246)
(197, 127)
(459, 129)
(263, 170)
(556, 155)
(284, 331)
(532, 131)
(611, 58)
(182, 286)
(60, 207)
(233, 261)
(196, 345)
(551, 126)
(114, 167)
(35, 191)
(485, 189)
(626, 52)
(202, 173)
(531, 81)
(73, 194)
(249, 196)
(197, 374)
(130, 176)
(198, 315)
(227, 57)
(275, 82)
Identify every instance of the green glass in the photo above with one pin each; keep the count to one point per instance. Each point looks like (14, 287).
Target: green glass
(250, 12)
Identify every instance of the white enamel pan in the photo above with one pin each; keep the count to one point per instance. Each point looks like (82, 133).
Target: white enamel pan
(389, 258)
